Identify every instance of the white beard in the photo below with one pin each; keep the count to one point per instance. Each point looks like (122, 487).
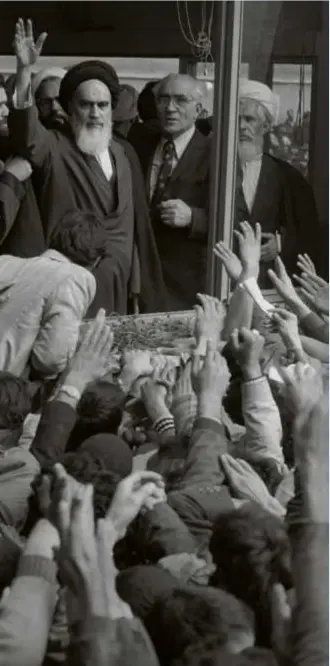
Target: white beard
(248, 151)
(92, 141)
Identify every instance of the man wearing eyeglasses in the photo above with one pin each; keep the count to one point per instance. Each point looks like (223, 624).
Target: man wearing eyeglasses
(176, 167)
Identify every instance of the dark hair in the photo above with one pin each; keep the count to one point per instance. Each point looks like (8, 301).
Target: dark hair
(192, 616)
(146, 103)
(250, 549)
(81, 237)
(100, 410)
(15, 401)
(85, 468)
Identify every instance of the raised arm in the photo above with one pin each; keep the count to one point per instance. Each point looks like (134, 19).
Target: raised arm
(28, 137)
(261, 415)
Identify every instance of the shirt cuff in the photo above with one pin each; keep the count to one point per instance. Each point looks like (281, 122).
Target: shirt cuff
(37, 566)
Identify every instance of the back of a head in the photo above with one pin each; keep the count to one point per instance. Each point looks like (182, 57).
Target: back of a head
(15, 401)
(126, 108)
(81, 237)
(114, 453)
(86, 468)
(99, 410)
(192, 616)
(144, 585)
(250, 549)
(146, 103)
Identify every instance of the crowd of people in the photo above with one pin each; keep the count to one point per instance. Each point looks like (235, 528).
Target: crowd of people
(155, 509)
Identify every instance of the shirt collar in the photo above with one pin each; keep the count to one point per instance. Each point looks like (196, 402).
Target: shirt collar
(54, 255)
(181, 142)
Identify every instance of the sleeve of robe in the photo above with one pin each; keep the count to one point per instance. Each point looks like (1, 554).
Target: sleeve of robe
(28, 137)
(152, 296)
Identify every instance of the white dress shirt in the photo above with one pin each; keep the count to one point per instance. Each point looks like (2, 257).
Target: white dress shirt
(180, 145)
(251, 173)
(105, 163)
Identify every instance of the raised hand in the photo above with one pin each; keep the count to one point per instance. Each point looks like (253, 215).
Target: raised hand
(303, 388)
(287, 326)
(247, 347)
(131, 495)
(315, 291)
(210, 381)
(245, 483)
(249, 242)
(229, 259)
(27, 51)
(210, 316)
(92, 359)
(305, 264)
(283, 283)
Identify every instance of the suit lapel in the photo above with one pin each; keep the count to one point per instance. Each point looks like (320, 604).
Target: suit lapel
(190, 157)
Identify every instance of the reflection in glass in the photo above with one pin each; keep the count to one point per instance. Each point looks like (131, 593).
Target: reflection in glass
(289, 139)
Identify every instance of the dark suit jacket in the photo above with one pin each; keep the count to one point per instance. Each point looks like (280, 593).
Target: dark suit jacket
(284, 202)
(183, 251)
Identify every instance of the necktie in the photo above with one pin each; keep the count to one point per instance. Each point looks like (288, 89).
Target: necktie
(164, 173)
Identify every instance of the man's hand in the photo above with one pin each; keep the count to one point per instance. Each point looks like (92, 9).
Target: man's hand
(247, 347)
(131, 495)
(137, 362)
(19, 168)
(303, 388)
(27, 51)
(210, 382)
(287, 326)
(281, 639)
(175, 213)
(229, 259)
(92, 359)
(315, 291)
(286, 290)
(210, 316)
(249, 242)
(269, 250)
(305, 264)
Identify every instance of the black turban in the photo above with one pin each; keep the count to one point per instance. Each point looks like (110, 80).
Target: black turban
(85, 71)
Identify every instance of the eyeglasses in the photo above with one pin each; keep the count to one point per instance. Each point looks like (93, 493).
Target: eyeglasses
(178, 100)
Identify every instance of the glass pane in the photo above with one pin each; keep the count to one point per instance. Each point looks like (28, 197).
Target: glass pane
(133, 71)
(289, 139)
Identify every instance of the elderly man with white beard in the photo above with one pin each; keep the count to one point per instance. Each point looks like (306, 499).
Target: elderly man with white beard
(270, 191)
(80, 167)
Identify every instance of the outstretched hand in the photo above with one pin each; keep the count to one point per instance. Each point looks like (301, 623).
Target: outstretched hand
(229, 259)
(249, 241)
(92, 359)
(27, 50)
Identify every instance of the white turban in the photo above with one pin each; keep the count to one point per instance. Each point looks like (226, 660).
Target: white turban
(259, 92)
(49, 73)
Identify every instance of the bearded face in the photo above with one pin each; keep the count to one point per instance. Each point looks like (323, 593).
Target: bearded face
(91, 117)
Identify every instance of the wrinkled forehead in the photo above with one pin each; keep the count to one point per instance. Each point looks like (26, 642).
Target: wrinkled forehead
(3, 95)
(249, 107)
(93, 91)
(178, 86)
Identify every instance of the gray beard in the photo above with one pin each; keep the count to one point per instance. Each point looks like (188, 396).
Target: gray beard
(248, 151)
(91, 141)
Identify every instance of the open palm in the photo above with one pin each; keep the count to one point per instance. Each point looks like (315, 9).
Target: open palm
(27, 51)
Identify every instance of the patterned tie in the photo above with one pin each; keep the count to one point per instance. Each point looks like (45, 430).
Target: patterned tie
(164, 173)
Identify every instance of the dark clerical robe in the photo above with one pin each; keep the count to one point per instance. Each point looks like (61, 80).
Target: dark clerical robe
(284, 202)
(66, 179)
